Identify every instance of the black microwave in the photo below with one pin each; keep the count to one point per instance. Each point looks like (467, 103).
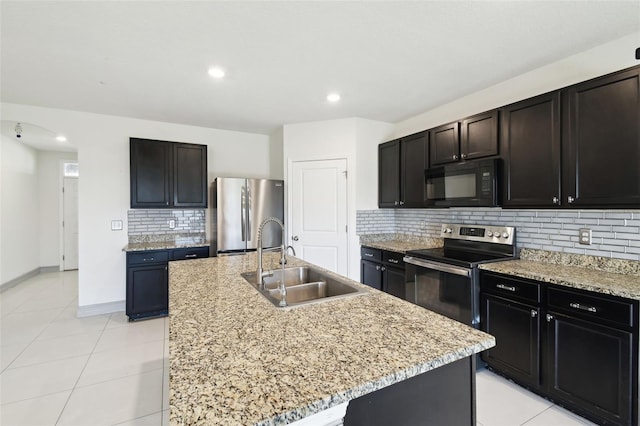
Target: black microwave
(471, 183)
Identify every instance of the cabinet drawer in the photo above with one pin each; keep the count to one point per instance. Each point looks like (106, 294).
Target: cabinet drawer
(511, 288)
(393, 258)
(591, 307)
(189, 253)
(147, 257)
(368, 253)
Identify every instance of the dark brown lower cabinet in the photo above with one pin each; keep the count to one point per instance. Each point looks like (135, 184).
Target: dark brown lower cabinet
(574, 347)
(147, 291)
(148, 280)
(590, 369)
(516, 327)
(370, 274)
(383, 270)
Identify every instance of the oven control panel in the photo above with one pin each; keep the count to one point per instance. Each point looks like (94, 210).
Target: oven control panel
(483, 233)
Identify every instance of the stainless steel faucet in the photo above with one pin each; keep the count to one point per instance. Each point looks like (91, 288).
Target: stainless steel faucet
(260, 274)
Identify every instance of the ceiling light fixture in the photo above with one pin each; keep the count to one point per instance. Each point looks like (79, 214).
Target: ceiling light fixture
(216, 72)
(333, 97)
(61, 138)
(18, 130)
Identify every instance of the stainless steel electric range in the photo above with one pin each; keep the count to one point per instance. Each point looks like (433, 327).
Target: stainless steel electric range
(446, 280)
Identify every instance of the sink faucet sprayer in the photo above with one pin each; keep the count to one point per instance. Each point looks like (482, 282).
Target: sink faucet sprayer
(260, 274)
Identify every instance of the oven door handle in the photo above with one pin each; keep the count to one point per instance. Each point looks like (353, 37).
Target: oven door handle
(442, 267)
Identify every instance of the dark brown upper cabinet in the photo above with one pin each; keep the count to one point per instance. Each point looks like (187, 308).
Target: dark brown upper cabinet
(167, 174)
(530, 147)
(401, 165)
(473, 137)
(601, 141)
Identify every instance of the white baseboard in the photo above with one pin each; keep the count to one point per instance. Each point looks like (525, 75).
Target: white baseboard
(101, 308)
(41, 270)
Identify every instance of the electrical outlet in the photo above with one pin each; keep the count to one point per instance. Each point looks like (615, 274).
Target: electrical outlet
(584, 236)
(116, 225)
(172, 223)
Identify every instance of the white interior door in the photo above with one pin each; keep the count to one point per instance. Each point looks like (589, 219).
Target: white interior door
(319, 213)
(70, 223)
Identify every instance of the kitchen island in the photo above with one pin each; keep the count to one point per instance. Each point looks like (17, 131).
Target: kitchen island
(237, 359)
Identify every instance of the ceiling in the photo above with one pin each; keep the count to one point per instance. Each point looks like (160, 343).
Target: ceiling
(389, 60)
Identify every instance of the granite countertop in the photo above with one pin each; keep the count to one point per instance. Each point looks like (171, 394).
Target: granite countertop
(166, 242)
(617, 277)
(400, 243)
(236, 359)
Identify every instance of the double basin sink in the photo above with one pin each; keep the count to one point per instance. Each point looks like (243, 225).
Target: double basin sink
(304, 285)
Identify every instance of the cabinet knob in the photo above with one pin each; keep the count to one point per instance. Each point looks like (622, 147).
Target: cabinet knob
(549, 317)
(377, 267)
(570, 199)
(455, 157)
(556, 200)
(382, 268)
(534, 313)
(463, 156)
(402, 203)
(395, 203)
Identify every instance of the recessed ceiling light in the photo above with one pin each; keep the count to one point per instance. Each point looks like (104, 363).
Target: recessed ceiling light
(333, 97)
(61, 138)
(216, 72)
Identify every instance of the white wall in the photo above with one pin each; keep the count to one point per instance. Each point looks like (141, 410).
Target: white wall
(601, 60)
(103, 157)
(49, 164)
(276, 140)
(19, 210)
(354, 139)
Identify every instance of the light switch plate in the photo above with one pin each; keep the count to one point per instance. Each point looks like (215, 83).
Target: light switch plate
(116, 225)
(584, 236)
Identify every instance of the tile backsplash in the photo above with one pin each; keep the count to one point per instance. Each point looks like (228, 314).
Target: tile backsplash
(143, 222)
(615, 233)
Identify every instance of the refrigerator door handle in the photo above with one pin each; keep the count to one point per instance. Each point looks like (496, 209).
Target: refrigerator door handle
(243, 213)
(248, 213)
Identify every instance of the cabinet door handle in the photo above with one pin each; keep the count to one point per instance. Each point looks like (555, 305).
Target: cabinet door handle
(534, 313)
(455, 157)
(190, 255)
(392, 261)
(570, 199)
(395, 203)
(377, 267)
(556, 200)
(584, 307)
(382, 268)
(506, 287)
(150, 259)
(549, 317)
(368, 254)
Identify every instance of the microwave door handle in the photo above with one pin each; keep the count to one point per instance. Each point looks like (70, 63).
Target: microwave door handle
(442, 267)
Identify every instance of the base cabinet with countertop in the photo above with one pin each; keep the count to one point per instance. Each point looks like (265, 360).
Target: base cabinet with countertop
(147, 280)
(575, 347)
(383, 270)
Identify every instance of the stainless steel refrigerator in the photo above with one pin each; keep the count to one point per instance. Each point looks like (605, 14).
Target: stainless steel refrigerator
(239, 207)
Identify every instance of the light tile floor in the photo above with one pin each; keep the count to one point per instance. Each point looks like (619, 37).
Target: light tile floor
(57, 369)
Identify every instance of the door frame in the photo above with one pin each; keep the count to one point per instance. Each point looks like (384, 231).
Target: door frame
(353, 243)
(61, 212)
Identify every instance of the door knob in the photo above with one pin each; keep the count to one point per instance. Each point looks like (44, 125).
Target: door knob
(294, 238)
